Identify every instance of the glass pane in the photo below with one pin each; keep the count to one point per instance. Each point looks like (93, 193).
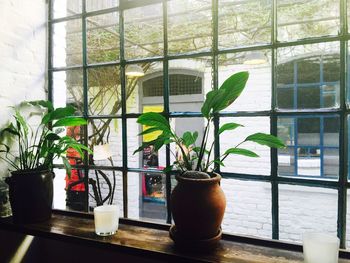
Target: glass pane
(105, 140)
(67, 43)
(189, 26)
(306, 209)
(93, 5)
(69, 192)
(308, 76)
(305, 19)
(105, 187)
(68, 89)
(243, 23)
(229, 139)
(248, 208)
(102, 38)
(104, 91)
(312, 146)
(148, 158)
(63, 8)
(257, 93)
(143, 28)
(147, 197)
(189, 80)
(144, 85)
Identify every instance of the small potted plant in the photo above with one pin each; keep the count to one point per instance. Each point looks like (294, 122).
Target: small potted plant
(29, 150)
(198, 202)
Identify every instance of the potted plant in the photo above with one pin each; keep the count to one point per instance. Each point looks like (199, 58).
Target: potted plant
(198, 202)
(29, 150)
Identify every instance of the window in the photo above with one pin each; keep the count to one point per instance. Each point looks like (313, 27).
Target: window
(114, 60)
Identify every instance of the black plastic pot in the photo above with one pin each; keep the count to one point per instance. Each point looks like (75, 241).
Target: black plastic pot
(31, 195)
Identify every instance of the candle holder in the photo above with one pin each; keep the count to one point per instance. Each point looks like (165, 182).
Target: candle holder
(320, 248)
(106, 219)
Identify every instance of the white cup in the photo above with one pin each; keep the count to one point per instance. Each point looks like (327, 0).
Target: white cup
(106, 219)
(320, 248)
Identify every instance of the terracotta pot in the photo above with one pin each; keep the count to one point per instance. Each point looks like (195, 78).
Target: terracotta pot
(31, 195)
(198, 207)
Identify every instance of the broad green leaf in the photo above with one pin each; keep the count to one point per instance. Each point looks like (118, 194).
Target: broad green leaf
(232, 88)
(189, 138)
(219, 163)
(266, 139)
(153, 119)
(241, 151)
(149, 130)
(70, 121)
(60, 113)
(229, 126)
(52, 137)
(207, 105)
(42, 103)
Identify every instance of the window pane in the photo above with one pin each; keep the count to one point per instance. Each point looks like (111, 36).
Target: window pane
(69, 192)
(147, 197)
(109, 184)
(63, 8)
(312, 146)
(243, 23)
(308, 76)
(143, 31)
(104, 91)
(305, 19)
(93, 5)
(102, 38)
(257, 93)
(148, 158)
(136, 75)
(189, 26)
(189, 81)
(105, 140)
(248, 208)
(229, 139)
(306, 209)
(68, 89)
(67, 43)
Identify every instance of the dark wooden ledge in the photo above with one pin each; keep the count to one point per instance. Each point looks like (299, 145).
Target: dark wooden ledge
(150, 242)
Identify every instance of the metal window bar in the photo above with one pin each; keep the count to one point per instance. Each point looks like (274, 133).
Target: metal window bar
(341, 185)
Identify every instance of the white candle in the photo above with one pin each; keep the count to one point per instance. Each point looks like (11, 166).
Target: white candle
(320, 248)
(106, 219)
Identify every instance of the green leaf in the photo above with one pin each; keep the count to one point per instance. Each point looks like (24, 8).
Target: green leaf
(52, 137)
(70, 121)
(208, 103)
(189, 138)
(20, 119)
(67, 166)
(149, 130)
(43, 103)
(266, 139)
(168, 169)
(229, 126)
(9, 129)
(219, 163)
(241, 151)
(232, 88)
(58, 113)
(154, 119)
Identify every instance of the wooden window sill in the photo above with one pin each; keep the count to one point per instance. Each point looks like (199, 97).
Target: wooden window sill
(150, 242)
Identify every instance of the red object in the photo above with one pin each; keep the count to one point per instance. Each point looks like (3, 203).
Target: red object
(74, 158)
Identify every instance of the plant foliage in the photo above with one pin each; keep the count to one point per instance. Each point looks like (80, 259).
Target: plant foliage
(199, 158)
(38, 146)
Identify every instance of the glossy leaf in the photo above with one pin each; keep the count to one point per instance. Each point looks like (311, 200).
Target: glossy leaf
(70, 121)
(266, 139)
(229, 126)
(241, 151)
(154, 119)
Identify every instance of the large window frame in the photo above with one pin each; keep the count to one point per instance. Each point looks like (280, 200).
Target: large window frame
(341, 184)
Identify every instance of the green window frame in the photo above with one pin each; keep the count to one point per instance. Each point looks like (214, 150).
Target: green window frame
(341, 184)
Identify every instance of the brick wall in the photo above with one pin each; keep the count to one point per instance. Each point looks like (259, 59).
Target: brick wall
(22, 54)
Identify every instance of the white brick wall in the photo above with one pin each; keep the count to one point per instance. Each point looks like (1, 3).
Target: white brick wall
(22, 54)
